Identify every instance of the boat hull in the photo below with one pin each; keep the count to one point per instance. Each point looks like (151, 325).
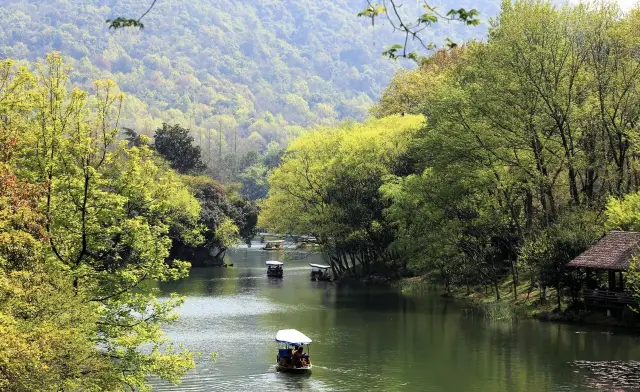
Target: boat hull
(284, 369)
(320, 278)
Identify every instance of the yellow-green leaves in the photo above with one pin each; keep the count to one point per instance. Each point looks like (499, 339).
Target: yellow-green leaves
(328, 184)
(76, 249)
(624, 214)
(47, 326)
(299, 194)
(227, 233)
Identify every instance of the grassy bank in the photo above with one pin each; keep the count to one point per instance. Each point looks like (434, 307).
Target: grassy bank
(483, 299)
(528, 303)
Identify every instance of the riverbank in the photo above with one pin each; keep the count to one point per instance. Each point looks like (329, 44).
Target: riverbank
(528, 303)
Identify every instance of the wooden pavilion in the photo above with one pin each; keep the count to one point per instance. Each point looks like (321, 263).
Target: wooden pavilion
(611, 255)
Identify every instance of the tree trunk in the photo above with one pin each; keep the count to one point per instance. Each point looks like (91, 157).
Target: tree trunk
(514, 275)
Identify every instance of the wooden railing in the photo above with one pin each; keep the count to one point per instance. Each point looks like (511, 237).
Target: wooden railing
(608, 298)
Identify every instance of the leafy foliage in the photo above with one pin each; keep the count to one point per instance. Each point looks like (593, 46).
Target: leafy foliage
(77, 247)
(225, 215)
(528, 138)
(174, 144)
(517, 158)
(328, 184)
(46, 326)
(120, 23)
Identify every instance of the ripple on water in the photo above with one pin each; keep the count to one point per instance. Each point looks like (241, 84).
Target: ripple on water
(241, 278)
(269, 381)
(614, 376)
(228, 306)
(205, 323)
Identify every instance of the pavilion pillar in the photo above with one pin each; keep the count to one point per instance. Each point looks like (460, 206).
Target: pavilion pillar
(621, 282)
(591, 283)
(612, 280)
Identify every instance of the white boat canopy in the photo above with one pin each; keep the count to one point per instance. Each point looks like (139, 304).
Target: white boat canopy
(321, 266)
(273, 262)
(274, 241)
(292, 336)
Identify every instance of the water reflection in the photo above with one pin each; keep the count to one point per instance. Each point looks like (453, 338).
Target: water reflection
(620, 376)
(368, 338)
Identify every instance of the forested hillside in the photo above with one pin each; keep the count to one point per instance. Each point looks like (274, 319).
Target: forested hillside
(256, 71)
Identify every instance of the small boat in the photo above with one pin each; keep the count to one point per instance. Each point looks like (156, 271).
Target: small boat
(289, 340)
(274, 268)
(320, 272)
(273, 245)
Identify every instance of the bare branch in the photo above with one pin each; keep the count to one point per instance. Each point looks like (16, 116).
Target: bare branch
(120, 23)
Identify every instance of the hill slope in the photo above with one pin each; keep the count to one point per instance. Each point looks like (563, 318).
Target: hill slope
(257, 71)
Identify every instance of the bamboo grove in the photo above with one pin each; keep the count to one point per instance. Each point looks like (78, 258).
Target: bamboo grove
(526, 153)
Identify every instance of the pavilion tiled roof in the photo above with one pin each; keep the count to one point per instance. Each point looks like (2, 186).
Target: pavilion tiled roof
(612, 252)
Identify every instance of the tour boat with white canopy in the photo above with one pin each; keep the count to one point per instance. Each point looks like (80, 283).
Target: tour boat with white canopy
(320, 272)
(274, 268)
(291, 354)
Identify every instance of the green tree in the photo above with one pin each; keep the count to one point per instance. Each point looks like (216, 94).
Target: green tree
(521, 150)
(47, 328)
(109, 211)
(413, 91)
(224, 214)
(328, 184)
(175, 145)
(134, 139)
(254, 181)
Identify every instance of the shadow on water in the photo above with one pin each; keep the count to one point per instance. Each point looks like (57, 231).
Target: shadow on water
(274, 281)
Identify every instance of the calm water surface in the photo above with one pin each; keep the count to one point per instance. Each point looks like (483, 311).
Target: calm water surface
(376, 339)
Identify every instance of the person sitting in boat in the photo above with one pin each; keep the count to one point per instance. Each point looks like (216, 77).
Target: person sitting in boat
(297, 357)
(304, 360)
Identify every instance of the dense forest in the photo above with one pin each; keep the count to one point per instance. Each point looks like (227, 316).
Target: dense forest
(242, 76)
(526, 154)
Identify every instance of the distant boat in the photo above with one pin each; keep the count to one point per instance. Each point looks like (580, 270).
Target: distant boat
(320, 272)
(274, 268)
(288, 341)
(273, 245)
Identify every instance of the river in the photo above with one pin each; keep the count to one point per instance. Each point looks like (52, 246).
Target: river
(377, 339)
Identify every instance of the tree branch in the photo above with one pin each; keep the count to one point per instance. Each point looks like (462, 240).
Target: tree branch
(120, 23)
